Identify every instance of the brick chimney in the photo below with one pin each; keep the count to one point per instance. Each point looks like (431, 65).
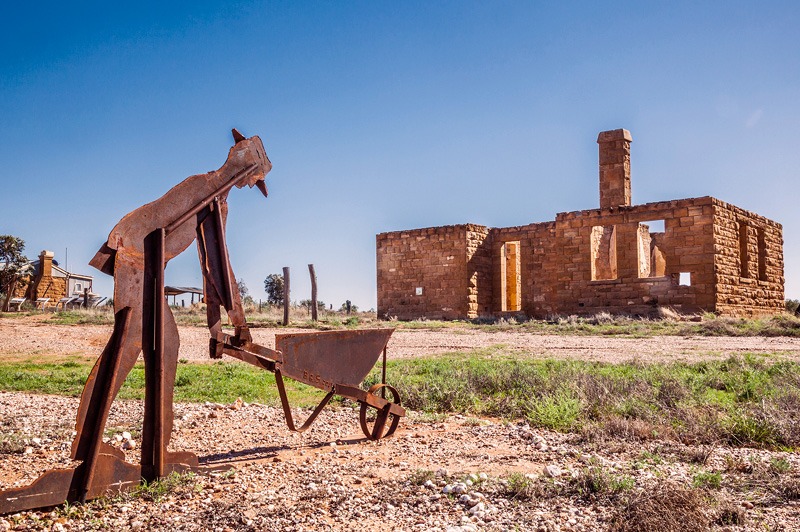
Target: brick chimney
(46, 263)
(615, 168)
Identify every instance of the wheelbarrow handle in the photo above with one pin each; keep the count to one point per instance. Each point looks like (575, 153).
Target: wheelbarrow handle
(254, 354)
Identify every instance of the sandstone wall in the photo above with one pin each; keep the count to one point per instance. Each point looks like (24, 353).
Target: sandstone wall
(48, 286)
(686, 246)
(749, 262)
(537, 272)
(436, 262)
(479, 271)
(710, 256)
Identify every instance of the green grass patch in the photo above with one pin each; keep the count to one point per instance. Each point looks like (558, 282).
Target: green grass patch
(741, 400)
(221, 382)
(558, 411)
(707, 480)
(104, 316)
(605, 324)
(156, 490)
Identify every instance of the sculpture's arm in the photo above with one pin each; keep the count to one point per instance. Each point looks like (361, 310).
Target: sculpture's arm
(219, 282)
(103, 260)
(247, 164)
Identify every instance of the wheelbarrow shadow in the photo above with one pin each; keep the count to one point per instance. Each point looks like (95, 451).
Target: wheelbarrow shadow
(255, 454)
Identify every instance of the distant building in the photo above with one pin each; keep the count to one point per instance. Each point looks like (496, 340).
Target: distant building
(51, 281)
(692, 255)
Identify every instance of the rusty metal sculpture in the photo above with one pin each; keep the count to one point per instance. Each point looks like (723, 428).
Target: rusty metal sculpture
(136, 253)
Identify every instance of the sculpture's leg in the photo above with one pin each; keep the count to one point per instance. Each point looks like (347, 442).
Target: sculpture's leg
(97, 411)
(160, 345)
(101, 387)
(153, 300)
(173, 461)
(153, 439)
(128, 339)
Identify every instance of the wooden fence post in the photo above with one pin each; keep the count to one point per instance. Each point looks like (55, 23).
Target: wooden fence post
(313, 292)
(286, 295)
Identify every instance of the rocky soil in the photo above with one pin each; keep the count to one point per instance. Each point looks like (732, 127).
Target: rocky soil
(437, 472)
(444, 474)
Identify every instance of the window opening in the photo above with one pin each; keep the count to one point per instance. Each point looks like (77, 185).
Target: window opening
(685, 279)
(744, 253)
(762, 255)
(604, 252)
(650, 241)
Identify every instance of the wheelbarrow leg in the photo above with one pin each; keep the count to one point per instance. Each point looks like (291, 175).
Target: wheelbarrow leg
(287, 409)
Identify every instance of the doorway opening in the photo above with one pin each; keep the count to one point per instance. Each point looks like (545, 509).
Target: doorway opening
(510, 277)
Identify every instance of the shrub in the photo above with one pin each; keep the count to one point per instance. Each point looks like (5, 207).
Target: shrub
(597, 481)
(559, 411)
(665, 508)
(421, 476)
(707, 479)
(519, 486)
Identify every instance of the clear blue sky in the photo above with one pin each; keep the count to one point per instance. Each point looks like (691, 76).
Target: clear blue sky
(381, 116)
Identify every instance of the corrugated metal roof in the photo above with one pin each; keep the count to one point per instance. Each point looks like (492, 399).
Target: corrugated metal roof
(178, 290)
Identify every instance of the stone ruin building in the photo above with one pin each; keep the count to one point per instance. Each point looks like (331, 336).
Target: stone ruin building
(691, 255)
(49, 280)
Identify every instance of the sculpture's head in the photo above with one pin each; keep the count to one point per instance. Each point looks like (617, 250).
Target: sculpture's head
(246, 152)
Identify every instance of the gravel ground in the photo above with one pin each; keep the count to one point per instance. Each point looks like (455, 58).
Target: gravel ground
(330, 478)
(31, 335)
(443, 473)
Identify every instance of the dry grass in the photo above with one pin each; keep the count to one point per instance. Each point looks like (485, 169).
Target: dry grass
(266, 316)
(789, 489)
(665, 508)
(730, 514)
(668, 323)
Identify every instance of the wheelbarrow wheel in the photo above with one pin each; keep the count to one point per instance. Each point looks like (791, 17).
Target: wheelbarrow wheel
(385, 423)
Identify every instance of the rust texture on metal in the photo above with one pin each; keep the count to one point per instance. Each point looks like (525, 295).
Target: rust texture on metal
(136, 254)
(326, 358)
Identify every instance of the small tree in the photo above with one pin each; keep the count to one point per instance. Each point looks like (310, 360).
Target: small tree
(243, 291)
(306, 304)
(347, 306)
(273, 286)
(14, 266)
(244, 294)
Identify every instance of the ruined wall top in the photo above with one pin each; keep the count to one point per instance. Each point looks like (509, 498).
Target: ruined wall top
(613, 135)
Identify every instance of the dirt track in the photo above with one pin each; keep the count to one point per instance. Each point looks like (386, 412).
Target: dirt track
(25, 336)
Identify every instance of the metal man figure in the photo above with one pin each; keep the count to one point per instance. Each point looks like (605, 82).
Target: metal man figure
(195, 209)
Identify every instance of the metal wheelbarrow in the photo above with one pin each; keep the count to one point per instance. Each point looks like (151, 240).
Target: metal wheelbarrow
(334, 361)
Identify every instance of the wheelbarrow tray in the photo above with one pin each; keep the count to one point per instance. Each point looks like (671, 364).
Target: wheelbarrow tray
(325, 359)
